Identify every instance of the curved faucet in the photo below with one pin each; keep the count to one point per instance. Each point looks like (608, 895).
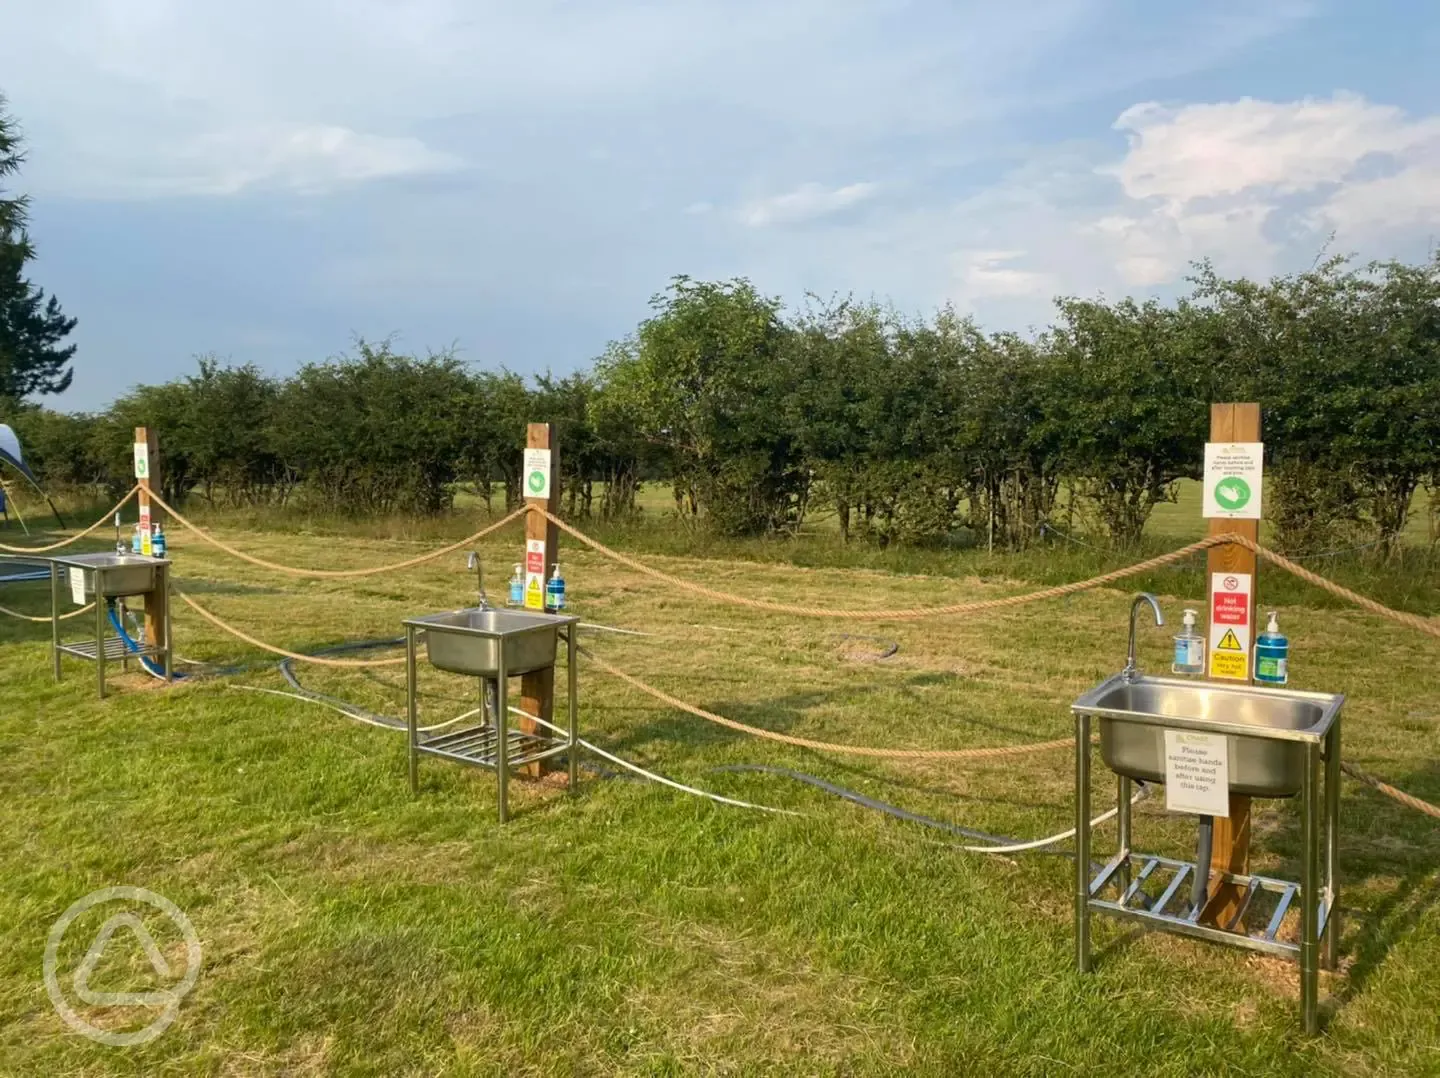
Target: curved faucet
(1131, 671)
(473, 562)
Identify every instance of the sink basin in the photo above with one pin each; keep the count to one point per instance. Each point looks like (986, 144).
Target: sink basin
(472, 641)
(118, 574)
(1267, 728)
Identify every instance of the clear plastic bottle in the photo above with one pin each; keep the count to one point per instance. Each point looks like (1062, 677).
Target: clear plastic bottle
(1189, 648)
(517, 586)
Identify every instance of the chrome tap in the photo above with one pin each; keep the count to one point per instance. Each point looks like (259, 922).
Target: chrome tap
(473, 562)
(1131, 671)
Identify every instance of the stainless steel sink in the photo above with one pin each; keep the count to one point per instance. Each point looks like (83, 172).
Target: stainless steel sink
(1268, 729)
(473, 641)
(117, 574)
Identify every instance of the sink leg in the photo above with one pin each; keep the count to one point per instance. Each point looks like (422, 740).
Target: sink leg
(410, 709)
(1332, 846)
(55, 618)
(572, 755)
(1310, 892)
(1123, 793)
(99, 637)
(1082, 842)
(502, 738)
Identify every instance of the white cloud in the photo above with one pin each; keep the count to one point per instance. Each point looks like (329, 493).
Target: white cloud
(990, 273)
(1201, 151)
(808, 202)
(1244, 181)
(308, 159)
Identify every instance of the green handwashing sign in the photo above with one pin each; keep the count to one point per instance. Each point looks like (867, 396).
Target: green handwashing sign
(1234, 478)
(1232, 493)
(537, 482)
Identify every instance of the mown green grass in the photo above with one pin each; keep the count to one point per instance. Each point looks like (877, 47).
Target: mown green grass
(351, 929)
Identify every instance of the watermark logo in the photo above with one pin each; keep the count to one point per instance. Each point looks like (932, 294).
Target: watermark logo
(125, 923)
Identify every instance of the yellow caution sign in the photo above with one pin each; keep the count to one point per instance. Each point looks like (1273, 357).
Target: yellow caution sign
(1231, 664)
(1230, 642)
(534, 591)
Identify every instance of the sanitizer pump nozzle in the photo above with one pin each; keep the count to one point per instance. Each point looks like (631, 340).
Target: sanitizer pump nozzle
(1189, 648)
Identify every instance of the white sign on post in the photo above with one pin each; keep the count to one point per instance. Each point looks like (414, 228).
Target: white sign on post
(142, 460)
(77, 585)
(535, 574)
(1233, 477)
(1197, 773)
(537, 473)
(1230, 626)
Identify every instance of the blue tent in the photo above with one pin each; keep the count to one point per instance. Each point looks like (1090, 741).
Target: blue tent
(13, 455)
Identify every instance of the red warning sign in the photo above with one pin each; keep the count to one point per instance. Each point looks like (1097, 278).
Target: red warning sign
(1230, 625)
(535, 556)
(1230, 608)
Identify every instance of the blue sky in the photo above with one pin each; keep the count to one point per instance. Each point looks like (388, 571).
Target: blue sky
(266, 180)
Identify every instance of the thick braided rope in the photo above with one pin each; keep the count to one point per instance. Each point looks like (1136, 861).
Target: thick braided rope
(63, 617)
(1429, 626)
(242, 635)
(909, 614)
(1408, 800)
(333, 574)
(823, 746)
(74, 538)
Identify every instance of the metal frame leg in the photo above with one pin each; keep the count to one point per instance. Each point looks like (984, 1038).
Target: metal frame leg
(1310, 892)
(1082, 842)
(55, 618)
(164, 599)
(502, 738)
(1123, 793)
(572, 754)
(1331, 945)
(99, 635)
(410, 709)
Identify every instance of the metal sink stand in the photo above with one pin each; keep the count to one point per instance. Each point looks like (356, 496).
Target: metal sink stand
(1316, 891)
(491, 743)
(107, 647)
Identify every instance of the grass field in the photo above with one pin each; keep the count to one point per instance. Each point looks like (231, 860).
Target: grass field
(348, 928)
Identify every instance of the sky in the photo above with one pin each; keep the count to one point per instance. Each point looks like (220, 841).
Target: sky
(267, 181)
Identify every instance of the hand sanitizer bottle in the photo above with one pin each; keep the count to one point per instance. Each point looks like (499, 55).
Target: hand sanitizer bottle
(1189, 648)
(1272, 655)
(157, 542)
(517, 587)
(555, 591)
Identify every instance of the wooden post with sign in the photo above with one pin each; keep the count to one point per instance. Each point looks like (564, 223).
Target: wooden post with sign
(147, 474)
(1231, 572)
(542, 551)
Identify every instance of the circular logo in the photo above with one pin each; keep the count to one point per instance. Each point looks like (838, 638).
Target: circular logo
(536, 481)
(1232, 493)
(167, 999)
(1231, 583)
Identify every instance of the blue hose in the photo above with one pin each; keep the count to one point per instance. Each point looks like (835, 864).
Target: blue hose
(133, 647)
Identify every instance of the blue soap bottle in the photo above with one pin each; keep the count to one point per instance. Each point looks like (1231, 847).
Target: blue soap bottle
(1272, 655)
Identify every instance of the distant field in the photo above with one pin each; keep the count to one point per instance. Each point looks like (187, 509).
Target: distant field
(634, 930)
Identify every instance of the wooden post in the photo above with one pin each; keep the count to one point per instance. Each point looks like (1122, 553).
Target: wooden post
(156, 602)
(537, 689)
(1231, 850)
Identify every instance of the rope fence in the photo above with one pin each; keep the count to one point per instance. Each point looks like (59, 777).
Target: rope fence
(822, 746)
(240, 634)
(1428, 626)
(46, 618)
(336, 574)
(74, 538)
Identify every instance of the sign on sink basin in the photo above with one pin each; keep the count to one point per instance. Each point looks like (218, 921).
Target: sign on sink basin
(1197, 773)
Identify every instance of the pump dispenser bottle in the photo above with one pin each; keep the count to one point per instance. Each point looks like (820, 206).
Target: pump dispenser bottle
(1189, 648)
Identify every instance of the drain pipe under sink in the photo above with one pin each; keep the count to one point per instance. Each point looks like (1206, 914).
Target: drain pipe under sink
(1199, 890)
